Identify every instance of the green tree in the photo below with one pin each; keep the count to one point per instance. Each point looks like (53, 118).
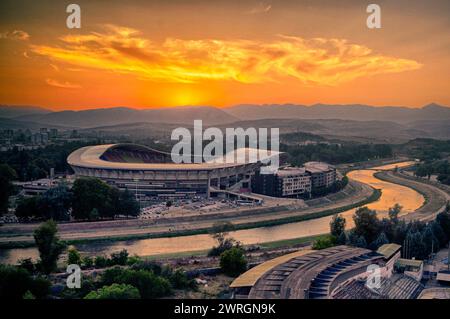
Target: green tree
(394, 212)
(443, 219)
(367, 224)
(113, 205)
(7, 174)
(89, 194)
(219, 233)
(115, 291)
(28, 207)
(94, 215)
(49, 245)
(128, 204)
(56, 202)
(233, 262)
(416, 247)
(337, 226)
(381, 240)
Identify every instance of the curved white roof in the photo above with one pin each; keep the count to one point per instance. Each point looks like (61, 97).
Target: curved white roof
(90, 157)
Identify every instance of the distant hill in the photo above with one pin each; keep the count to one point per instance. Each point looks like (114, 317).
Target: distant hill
(355, 122)
(123, 115)
(11, 111)
(296, 130)
(355, 112)
(12, 124)
(375, 131)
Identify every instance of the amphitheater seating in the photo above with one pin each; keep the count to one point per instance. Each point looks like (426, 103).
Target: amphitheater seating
(399, 286)
(311, 275)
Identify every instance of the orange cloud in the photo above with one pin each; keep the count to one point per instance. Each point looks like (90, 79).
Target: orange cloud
(317, 61)
(260, 8)
(63, 85)
(15, 35)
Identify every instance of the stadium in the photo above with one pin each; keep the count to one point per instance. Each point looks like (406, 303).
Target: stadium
(152, 175)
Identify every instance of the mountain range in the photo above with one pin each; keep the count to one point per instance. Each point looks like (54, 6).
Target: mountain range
(385, 122)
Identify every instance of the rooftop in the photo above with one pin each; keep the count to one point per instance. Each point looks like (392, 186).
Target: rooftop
(317, 167)
(92, 157)
(389, 250)
(250, 277)
(408, 263)
(288, 171)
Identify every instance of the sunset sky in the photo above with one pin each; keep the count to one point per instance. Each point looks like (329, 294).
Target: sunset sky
(146, 54)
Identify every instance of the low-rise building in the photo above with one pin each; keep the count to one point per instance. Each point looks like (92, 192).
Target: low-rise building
(323, 175)
(391, 253)
(286, 182)
(410, 267)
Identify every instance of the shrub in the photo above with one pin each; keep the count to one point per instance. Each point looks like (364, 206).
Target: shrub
(115, 291)
(149, 266)
(179, 280)
(119, 258)
(40, 287)
(100, 262)
(324, 242)
(133, 260)
(87, 261)
(27, 264)
(73, 256)
(148, 284)
(28, 295)
(233, 261)
(16, 281)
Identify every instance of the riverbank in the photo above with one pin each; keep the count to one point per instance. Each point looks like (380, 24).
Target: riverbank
(26, 241)
(435, 198)
(283, 225)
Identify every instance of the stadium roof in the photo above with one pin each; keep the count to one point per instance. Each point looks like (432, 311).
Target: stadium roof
(91, 157)
(389, 250)
(250, 277)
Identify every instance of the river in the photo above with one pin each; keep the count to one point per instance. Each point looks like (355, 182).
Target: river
(408, 198)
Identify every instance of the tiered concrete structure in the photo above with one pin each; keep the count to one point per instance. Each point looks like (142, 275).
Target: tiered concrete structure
(152, 175)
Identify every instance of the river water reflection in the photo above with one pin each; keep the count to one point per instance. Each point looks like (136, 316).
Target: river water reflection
(391, 194)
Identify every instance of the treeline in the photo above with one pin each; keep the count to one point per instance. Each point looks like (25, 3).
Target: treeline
(441, 168)
(336, 154)
(420, 238)
(88, 199)
(7, 175)
(35, 164)
(426, 149)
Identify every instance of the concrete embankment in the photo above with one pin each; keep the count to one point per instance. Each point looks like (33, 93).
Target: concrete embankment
(435, 198)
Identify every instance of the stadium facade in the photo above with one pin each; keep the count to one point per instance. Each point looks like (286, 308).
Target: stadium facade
(152, 175)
